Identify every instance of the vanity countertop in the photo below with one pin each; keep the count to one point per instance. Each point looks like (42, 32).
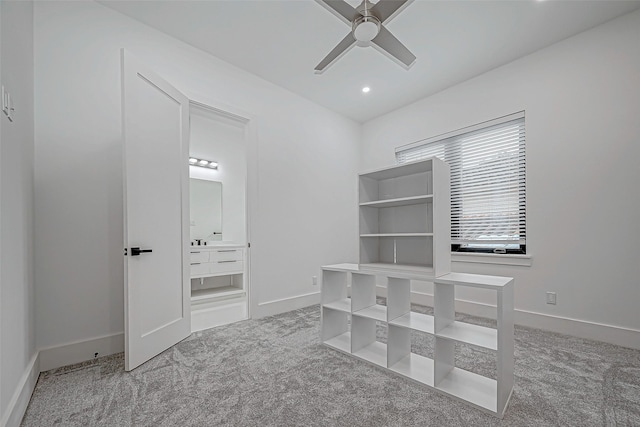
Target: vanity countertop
(219, 245)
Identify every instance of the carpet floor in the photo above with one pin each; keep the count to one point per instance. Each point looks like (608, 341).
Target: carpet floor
(274, 372)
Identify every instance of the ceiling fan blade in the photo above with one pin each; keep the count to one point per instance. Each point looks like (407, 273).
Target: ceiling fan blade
(391, 46)
(343, 47)
(386, 10)
(343, 10)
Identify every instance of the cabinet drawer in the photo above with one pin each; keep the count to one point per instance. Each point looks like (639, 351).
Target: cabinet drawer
(227, 266)
(199, 256)
(226, 255)
(200, 269)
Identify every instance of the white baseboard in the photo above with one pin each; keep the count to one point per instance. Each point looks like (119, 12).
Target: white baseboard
(20, 399)
(617, 335)
(208, 316)
(269, 308)
(80, 351)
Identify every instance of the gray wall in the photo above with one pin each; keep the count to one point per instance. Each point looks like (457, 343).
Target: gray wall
(582, 102)
(301, 210)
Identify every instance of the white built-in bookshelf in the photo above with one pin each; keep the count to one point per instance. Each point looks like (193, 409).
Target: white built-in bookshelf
(349, 325)
(405, 221)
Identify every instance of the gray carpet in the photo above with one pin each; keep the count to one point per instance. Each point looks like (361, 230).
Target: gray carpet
(274, 372)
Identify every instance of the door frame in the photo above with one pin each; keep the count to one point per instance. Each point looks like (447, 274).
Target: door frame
(248, 122)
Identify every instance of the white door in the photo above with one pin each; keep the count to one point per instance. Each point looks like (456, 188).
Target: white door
(156, 202)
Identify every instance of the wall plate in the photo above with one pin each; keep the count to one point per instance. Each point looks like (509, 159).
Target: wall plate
(10, 108)
(5, 101)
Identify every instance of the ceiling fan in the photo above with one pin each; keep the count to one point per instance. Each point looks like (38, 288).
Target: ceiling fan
(367, 29)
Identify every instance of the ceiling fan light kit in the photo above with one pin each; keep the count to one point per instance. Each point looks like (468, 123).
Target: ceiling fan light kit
(367, 29)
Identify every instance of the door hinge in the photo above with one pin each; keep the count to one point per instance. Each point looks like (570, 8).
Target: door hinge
(125, 251)
(248, 245)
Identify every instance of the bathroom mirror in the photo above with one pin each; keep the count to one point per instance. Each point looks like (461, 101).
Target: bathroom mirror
(206, 209)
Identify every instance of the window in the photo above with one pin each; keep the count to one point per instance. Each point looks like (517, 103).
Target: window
(487, 164)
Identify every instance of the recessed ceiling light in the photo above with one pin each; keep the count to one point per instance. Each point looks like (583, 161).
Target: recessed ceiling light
(366, 89)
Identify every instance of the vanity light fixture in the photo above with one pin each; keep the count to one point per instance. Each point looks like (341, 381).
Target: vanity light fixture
(193, 161)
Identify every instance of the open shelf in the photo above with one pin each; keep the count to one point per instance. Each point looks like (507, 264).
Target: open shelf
(397, 235)
(342, 342)
(416, 367)
(417, 321)
(221, 292)
(409, 268)
(399, 201)
(473, 388)
(376, 312)
(471, 334)
(375, 353)
(407, 169)
(340, 305)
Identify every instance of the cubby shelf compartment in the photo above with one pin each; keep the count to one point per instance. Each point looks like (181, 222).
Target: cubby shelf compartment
(340, 342)
(375, 353)
(376, 312)
(340, 305)
(358, 337)
(471, 334)
(400, 201)
(470, 387)
(415, 367)
(416, 321)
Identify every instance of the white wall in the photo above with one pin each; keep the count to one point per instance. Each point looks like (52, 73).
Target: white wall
(223, 140)
(302, 213)
(582, 103)
(17, 319)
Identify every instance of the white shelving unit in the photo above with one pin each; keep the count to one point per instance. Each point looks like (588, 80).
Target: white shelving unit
(358, 337)
(405, 218)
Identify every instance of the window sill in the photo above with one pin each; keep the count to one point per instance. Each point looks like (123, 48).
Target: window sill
(480, 258)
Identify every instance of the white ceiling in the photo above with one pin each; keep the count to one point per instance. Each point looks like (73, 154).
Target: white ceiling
(282, 42)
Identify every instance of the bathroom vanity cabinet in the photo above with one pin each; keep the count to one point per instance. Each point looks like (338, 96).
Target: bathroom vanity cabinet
(218, 291)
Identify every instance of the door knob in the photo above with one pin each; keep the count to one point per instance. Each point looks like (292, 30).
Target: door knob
(138, 251)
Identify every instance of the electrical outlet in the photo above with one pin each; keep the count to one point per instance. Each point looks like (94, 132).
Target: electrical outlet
(551, 298)
(314, 280)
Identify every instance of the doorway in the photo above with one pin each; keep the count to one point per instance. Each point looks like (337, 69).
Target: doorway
(218, 222)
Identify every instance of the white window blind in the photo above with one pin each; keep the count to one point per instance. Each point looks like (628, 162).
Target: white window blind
(487, 164)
